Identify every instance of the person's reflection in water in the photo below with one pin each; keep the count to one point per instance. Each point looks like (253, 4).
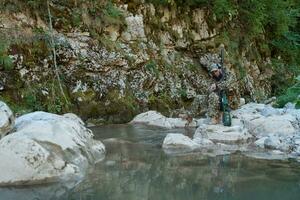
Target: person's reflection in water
(222, 180)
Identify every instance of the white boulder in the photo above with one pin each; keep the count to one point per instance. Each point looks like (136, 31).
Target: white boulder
(223, 134)
(285, 144)
(270, 111)
(179, 141)
(250, 109)
(46, 148)
(154, 118)
(27, 162)
(7, 119)
(261, 126)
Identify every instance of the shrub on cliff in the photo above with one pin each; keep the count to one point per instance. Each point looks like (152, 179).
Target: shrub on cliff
(292, 95)
(5, 60)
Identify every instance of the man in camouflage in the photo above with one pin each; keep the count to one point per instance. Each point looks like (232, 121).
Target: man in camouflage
(223, 81)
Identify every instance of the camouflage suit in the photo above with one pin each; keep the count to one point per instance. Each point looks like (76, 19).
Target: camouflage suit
(226, 83)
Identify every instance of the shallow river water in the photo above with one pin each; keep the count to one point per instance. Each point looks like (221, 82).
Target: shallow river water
(137, 168)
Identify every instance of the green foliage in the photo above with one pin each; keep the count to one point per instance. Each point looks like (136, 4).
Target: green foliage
(292, 94)
(262, 28)
(109, 44)
(36, 4)
(192, 3)
(45, 97)
(76, 17)
(223, 9)
(183, 93)
(31, 99)
(159, 2)
(192, 67)
(112, 11)
(161, 102)
(298, 104)
(5, 60)
(152, 67)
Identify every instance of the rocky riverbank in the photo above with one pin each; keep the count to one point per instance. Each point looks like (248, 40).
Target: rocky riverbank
(258, 130)
(41, 147)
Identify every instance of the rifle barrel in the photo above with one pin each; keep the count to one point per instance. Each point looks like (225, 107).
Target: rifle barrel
(222, 58)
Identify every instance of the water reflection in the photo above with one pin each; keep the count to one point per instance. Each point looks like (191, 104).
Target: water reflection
(136, 168)
(41, 192)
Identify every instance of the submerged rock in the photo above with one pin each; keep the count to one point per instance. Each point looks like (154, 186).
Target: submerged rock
(7, 119)
(47, 148)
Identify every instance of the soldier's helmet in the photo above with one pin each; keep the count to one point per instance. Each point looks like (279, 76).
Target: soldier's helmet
(214, 67)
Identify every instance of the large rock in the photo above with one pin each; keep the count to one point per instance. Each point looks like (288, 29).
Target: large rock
(274, 131)
(272, 142)
(47, 148)
(261, 126)
(223, 134)
(179, 141)
(7, 119)
(27, 162)
(270, 111)
(262, 120)
(248, 109)
(154, 118)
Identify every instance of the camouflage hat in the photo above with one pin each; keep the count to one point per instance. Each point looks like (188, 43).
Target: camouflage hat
(214, 67)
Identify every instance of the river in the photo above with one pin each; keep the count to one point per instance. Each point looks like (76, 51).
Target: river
(137, 168)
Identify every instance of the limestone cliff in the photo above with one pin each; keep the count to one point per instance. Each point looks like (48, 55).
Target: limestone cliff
(119, 60)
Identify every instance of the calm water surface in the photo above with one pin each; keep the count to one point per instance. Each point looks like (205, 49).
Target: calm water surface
(136, 168)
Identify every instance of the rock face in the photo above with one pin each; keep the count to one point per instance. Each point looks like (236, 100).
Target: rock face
(154, 118)
(135, 28)
(139, 57)
(47, 148)
(7, 119)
